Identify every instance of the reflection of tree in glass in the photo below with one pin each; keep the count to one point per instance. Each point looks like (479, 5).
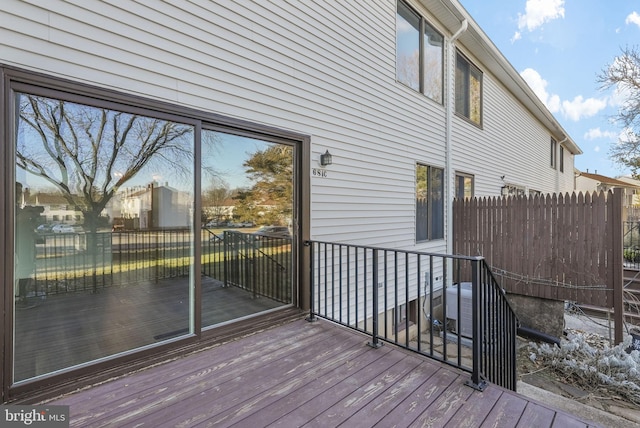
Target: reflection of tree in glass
(88, 153)
(272, 173)
(214, 200)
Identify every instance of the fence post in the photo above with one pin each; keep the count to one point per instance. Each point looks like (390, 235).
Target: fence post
(618, 267)
(476, 382)
(375, 343)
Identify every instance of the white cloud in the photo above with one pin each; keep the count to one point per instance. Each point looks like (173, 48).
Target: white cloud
(633, 18)
(539, 86)
(516, 36)
(579, 107)
(537, 12)
(597, 133)
(574, 110)
(596, 149)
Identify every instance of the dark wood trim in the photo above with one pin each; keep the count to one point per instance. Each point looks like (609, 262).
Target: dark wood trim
(42, 84)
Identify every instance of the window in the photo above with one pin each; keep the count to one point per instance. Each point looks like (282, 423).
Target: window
(419, 58)
(429, 203)
(561, 159)
(554, 151)
(468, 90)
(464, 186)
(145, 191)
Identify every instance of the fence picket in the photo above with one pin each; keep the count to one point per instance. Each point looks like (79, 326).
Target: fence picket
(545, 246)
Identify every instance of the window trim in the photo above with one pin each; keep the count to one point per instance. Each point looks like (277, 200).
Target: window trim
(464, 175)
(21, 80)
(471, 67)
(431, 235)
(424, 24)
(553, 152)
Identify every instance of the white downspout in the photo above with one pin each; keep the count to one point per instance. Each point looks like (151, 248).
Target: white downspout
(449, 112)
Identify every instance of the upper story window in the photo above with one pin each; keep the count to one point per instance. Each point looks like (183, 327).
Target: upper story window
(553, 147)
(429, 203)
(419, 53)
(468, 90)
(561, 160)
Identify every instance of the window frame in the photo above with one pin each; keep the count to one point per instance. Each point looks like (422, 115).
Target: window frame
(465, 110)
(424, 28)
(20, 80)
(553, 152)
(464, 176)
(433, 229)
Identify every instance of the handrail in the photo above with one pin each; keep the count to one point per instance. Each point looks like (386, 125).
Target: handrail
(446, 307)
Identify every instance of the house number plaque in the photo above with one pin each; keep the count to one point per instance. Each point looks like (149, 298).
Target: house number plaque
(319, 172)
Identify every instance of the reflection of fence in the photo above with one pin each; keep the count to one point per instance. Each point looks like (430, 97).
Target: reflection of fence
(85, 262)
(259, 264)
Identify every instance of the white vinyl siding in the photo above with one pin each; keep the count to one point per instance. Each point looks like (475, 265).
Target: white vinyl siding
(511, 143)
(324, 69)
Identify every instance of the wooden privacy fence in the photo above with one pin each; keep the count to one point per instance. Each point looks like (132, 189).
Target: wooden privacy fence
(560, 247)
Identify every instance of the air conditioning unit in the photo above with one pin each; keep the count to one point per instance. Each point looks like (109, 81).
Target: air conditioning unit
(465, 318)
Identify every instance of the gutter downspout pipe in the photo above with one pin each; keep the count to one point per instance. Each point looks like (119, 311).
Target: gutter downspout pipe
(450, 108)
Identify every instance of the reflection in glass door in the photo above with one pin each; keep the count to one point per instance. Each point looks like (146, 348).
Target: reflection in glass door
(103, 233)
(247, 217)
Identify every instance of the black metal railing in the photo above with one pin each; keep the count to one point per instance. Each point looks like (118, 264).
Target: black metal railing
(631, 244)
(449, 308)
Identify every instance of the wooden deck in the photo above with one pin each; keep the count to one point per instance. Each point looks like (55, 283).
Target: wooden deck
(304, 374)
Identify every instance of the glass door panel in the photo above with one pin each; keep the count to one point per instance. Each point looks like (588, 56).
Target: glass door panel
(247, 214)
(103, 233)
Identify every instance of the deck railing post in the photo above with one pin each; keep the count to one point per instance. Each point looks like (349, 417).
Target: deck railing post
(476, 382)
(312, 315)
(375, 343)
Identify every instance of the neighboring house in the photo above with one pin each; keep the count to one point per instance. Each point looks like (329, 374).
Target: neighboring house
(56, 208)
(413, 101)
(594, 182)
(632, 195)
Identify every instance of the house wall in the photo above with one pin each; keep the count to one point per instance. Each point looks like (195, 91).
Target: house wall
(511, 143)
(325, 69)
(266, 64)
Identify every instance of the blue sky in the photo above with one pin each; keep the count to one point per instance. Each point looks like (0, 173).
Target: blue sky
(560, 47)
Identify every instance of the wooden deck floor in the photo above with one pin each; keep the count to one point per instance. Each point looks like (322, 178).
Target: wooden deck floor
(304, 374)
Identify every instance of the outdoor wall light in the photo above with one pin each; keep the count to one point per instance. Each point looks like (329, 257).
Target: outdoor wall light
(325, 159)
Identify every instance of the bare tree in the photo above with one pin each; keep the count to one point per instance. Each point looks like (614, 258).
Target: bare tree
(89, 153)
(623, 74)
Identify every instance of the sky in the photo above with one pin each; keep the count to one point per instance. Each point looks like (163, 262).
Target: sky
(560, 47)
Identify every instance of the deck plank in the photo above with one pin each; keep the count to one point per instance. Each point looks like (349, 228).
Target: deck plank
(370, 414)
(270, 406)
(303, 374)
(537, 416)
(479, 403)
(411, 407)
(507, 412)
(226, 375)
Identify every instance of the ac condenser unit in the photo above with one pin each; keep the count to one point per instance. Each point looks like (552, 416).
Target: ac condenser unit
(465, 317)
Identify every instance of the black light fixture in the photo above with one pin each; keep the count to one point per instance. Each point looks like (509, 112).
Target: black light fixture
(325, 159)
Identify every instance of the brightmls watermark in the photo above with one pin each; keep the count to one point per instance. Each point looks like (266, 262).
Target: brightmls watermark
(34, 416)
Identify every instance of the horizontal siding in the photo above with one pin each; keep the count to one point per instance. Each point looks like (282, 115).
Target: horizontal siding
(324, 69)
(511, 143)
